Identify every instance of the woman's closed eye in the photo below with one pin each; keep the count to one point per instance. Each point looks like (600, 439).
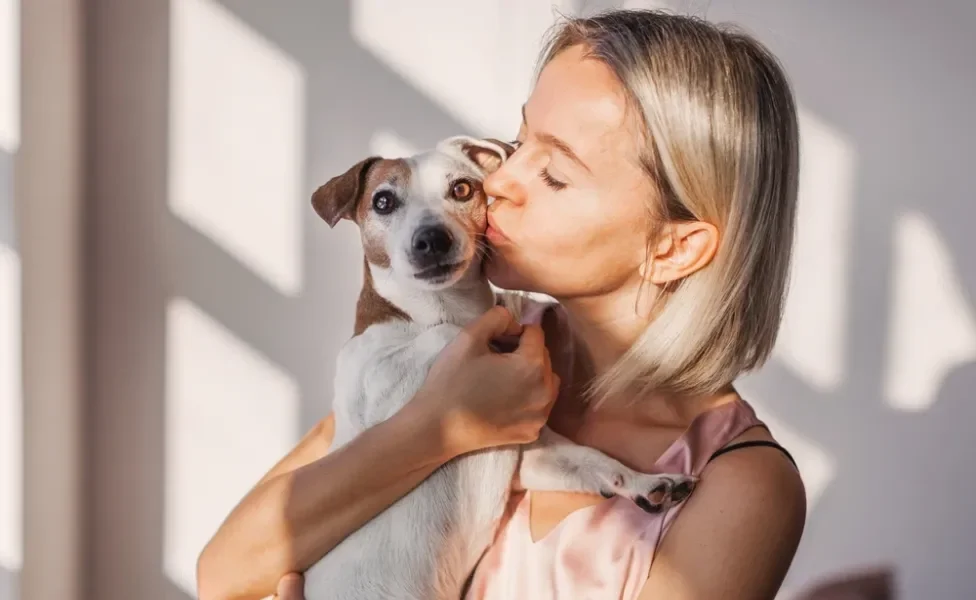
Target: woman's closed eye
(551, 181)
(547, 177)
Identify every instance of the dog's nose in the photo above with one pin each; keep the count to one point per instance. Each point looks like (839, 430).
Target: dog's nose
(432, 242)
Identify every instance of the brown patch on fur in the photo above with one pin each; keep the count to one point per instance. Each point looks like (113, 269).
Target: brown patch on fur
(376, 253)
(349, 196)
(371, 308)
(385, 171)
(337, 198)
(473, 213)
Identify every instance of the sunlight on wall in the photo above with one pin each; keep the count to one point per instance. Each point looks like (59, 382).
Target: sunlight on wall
(236, 151)
(480, 75)
(931, 327)
(811, 341)
(9, 75)
(389, 145)
(519, 38)
(817, 467)
(11, 416)
(230, 415)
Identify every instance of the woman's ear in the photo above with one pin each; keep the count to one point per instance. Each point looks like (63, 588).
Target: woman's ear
(682, 248)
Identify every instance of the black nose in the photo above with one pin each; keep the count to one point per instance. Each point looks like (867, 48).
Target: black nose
(432, 242)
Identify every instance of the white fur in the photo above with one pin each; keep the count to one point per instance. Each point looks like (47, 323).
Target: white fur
(425, 545)
(458, 304)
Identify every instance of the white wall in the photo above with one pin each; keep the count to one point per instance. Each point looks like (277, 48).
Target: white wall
(11, 422)
(217, 300)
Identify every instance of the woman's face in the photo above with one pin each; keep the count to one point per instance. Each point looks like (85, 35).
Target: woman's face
(569, 218)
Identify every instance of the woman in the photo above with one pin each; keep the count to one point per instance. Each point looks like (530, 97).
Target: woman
(653, 195)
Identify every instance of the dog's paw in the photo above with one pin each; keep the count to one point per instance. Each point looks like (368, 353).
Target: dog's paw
(652, 493)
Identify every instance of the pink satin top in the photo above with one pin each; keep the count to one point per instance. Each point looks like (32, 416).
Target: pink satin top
(605, 550)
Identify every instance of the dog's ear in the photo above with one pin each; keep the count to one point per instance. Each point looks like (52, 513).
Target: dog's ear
(488, 154)
(337, 199)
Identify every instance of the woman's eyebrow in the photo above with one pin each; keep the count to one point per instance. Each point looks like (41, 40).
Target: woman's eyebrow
(559, 144)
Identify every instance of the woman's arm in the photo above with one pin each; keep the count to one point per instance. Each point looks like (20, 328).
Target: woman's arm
(311, 501)
(310, 448)
(738, 534)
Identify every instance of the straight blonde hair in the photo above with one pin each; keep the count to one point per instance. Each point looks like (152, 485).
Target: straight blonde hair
(718, 135)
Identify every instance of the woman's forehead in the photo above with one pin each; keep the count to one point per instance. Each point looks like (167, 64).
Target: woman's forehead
(580, 101)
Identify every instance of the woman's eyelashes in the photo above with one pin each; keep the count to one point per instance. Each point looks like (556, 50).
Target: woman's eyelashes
(551, 181)
(547, 177)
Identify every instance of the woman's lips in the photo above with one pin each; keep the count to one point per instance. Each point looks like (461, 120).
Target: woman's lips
(493, 233)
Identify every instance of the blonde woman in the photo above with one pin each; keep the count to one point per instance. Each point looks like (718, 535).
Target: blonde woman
(653, 195)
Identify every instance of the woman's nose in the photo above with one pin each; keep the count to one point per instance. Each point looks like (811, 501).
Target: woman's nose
(503, 184)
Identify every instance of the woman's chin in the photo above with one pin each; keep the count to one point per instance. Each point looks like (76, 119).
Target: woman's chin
(503, 274)
(499, 274)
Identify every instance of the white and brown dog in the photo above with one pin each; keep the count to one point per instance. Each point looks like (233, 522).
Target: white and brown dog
(422, 221)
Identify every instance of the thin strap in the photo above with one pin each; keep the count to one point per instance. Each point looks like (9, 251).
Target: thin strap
(750, 444)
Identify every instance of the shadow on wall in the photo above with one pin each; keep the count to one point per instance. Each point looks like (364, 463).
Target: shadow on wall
(10, 397)
(875, 585)
(241, 338)
(8, 585)
(7, 224)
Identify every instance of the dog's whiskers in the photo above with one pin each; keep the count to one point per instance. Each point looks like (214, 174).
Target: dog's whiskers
(481, 248)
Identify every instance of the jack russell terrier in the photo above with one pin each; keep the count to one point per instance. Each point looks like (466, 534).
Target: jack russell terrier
(422, 221)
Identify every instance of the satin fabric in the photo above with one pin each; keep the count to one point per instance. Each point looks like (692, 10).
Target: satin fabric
(603, 551)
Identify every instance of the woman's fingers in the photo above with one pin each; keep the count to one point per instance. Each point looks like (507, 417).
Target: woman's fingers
(291, 587)
(496, 323)
(532, 343)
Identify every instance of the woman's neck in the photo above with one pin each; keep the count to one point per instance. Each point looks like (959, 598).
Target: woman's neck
(603, 330)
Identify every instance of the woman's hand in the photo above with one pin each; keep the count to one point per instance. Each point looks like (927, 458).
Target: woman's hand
(482, 398)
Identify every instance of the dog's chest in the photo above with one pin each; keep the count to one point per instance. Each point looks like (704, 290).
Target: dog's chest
(381, 369)
(430, 539)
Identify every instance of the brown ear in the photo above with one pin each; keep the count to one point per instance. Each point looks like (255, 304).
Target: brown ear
(489, 154)
(337, 199)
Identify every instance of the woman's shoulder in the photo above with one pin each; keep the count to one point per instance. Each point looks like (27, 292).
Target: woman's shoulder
(756, 471)
(746, 516)
(754, 463)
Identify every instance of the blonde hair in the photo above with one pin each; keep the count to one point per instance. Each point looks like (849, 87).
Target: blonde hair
(718, 136)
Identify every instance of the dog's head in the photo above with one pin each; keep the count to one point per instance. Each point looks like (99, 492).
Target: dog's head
(421, 217)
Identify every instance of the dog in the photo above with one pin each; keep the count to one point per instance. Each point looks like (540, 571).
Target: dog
(421, 221)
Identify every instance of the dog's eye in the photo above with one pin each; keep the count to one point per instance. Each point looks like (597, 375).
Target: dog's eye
(384, 202)
(462, 190)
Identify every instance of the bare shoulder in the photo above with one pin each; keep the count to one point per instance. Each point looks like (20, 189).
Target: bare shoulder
(757, 485)
(739, 531)
(755, 471)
